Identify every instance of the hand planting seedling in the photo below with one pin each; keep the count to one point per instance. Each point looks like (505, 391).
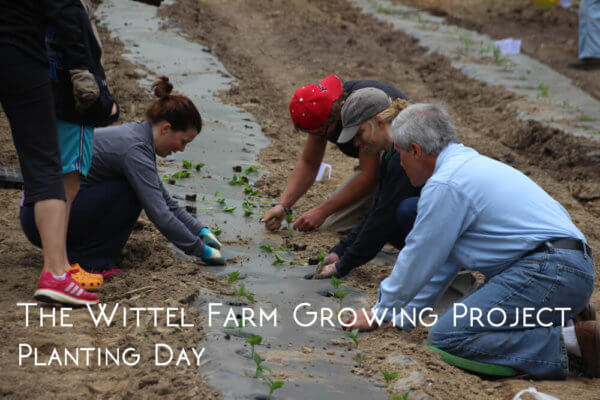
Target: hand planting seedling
(273, 385)
(389, 377)
(251, 170)
(353, 335)
(253, 340)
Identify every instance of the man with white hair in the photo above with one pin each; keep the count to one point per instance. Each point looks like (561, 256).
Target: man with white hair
(482, 215)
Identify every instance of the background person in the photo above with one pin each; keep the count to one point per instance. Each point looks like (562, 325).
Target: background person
(589, 35)
(82, 101)
(315, 109)
(26, 97)
(483, 215)
(123, 179)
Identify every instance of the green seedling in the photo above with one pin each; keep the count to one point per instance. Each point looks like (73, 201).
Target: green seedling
(404, 396)
(247, 204)
(248, 212)
(279, 260)
(166, 177)
(359, 360)
(485, 48)
(253, 340)
(187, 164)
(242, 292)
(353, 335)
(232, 278)
(221, 201)
(260, 369)
(217, 231)
(226, 209)
(250, 190)
(340, 294)
(236, 180)
(181, 174)
(217, 194)
(335, 282)
(389, 377)
(566, 104)
(273, 386)
(585, 118)
(251, 170)
(266, 248)
(321, 256)
(543, 89)
(240, 326)
(199, 166)
(288, 219)
(467, 41)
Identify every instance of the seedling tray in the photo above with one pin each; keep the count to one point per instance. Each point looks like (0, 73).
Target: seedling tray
(11, 178)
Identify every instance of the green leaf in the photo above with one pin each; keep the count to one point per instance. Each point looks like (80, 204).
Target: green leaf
(276, 384)
(322, 254)
(257, 359)
(217, 193)
(221, 201)
(233, 277)
(181, 174)
(199, 166)
(335, 282)
(279, 260)
(251, 170)
(250, 190)
(236, 180)
(254, 339)
(217, 231)
(247, 212)
(187, 164)
(266, 248)
(250, 298)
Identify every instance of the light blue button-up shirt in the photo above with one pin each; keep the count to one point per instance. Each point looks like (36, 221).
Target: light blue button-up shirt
(476, 213)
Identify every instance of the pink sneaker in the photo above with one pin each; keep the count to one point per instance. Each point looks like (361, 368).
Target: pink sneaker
(62, 291)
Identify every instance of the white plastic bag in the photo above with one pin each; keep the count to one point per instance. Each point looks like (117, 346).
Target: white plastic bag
(324, 166)
(536, 395)
(509, 46)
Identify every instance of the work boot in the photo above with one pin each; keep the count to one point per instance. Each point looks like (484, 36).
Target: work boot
(587, 314)
(588, 338)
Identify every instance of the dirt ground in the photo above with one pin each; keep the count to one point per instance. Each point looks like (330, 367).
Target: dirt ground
(550, 36)
(271, 48)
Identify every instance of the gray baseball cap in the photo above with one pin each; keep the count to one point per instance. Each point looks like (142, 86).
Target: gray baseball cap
(361, 106)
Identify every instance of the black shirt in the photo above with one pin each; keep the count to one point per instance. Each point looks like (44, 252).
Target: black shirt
(23, 25)
(349, 148)
(375, 229)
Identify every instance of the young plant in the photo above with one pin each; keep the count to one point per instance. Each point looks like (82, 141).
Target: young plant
(404, 396)
(353, 335)
(280, 260)
(226, 209)
(250, 190)
(217, 231)
(266, 248)
(359, 360)
(242, 292)
(335, 282)
(236, 180)
(585, 118)
(253, 340)
(239, 327)
(389, 377)
(321, 256)
(340, 294)
(273, 385)
(260, 369)
(221, 201)
(543, 90)
(181, 174)
(232, 278)
(199, 166)
(187, 164)
(251, 170)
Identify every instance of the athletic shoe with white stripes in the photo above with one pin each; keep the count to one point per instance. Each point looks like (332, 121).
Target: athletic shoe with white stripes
(66, 291)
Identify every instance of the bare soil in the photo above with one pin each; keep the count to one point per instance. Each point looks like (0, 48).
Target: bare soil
(272, 48)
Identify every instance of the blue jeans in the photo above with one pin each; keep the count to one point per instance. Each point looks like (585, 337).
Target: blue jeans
(553, 278)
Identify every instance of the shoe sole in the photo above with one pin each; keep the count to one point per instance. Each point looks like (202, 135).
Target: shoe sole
(52, 296)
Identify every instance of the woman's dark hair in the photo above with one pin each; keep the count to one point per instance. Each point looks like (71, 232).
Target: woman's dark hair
(176, 109)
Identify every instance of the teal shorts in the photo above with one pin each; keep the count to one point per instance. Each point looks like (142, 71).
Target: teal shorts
(75, 143)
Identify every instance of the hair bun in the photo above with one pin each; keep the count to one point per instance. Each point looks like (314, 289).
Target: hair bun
(400, 104)
(162, 87)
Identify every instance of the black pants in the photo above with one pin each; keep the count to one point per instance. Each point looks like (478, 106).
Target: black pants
(102, 218)
(26, 97)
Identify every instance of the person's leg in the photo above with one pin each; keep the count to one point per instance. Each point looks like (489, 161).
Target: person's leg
(102, 219)
(561, 278)
(344, 220)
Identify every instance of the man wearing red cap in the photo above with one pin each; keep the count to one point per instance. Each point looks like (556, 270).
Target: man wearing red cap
(316, 110)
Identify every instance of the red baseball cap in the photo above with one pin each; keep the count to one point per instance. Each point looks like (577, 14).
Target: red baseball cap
(312, 103)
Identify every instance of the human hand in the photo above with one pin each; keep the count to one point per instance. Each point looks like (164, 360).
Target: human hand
(85, 88)
(114, 110)
(361, 323)
(212, 256)
(310, 220)
(331, 258)
(209, 238)
(272, 218)
(327, 272)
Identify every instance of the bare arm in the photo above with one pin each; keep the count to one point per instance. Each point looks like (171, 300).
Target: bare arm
(302, 178)
(357, 188)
